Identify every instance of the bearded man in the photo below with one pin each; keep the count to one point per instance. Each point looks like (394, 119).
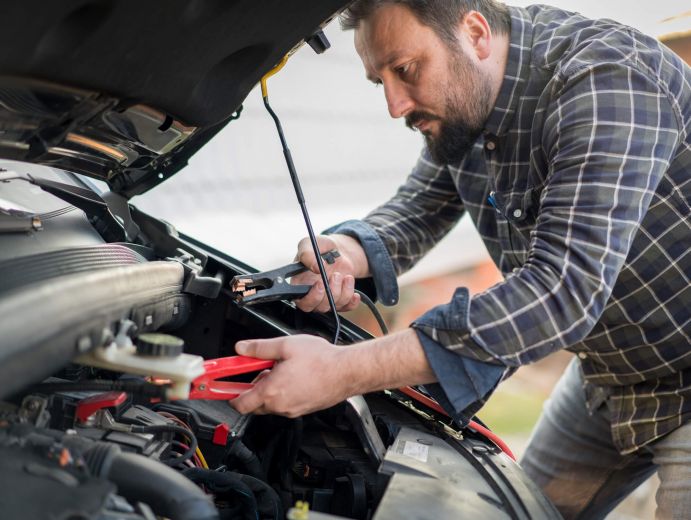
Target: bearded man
(568, 142)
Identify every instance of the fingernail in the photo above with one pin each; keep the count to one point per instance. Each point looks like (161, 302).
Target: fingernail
(241, 347)
(337, 278)
(350, 282)
(320, 288)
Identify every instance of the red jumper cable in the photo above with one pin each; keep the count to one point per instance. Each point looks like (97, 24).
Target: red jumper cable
(206, 386)
(434, 405)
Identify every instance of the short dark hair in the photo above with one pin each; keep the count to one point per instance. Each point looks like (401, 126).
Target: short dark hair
(440, 15)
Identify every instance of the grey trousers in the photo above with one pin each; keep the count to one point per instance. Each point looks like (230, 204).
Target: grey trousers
(572, 458)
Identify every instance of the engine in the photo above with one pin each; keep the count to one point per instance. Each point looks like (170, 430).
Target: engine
(70, 450)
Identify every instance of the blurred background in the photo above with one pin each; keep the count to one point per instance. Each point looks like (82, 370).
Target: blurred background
(236, 194)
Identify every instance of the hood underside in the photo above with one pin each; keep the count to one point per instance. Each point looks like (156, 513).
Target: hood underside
(126, 91)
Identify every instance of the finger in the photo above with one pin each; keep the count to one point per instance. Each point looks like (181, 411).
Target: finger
(306, 278)
(261, 375)
(261, 348)
(312, 299)
(352, 304)
(336, 285)
(248, 402)
(347, 290)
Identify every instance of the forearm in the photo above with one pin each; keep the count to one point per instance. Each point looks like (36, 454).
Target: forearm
(388, 362)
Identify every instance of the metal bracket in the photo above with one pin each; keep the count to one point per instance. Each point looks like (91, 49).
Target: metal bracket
(360, 417)
(195, 283)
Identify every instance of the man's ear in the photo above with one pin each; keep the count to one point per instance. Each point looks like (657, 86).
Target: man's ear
(477, 34)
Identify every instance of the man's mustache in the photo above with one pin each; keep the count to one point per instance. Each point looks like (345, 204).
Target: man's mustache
(415, 117)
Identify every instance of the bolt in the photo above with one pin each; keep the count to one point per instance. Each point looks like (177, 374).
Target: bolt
(202, 387)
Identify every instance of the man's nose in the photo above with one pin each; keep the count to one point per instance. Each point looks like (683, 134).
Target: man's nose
(398, 100)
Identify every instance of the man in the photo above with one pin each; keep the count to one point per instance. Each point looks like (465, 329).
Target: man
(567, 141)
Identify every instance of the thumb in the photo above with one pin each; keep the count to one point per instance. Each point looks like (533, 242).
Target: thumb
(261, 348)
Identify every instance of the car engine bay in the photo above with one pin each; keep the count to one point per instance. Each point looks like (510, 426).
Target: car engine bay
(101, 340)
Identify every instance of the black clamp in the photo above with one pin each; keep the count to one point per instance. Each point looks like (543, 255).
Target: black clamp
(269, 286)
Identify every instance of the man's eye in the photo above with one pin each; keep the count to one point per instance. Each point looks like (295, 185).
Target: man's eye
(404, 70)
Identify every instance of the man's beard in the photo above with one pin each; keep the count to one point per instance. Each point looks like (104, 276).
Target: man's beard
(464, 122)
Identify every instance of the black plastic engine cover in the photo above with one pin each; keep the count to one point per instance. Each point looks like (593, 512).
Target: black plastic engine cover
(33, 488)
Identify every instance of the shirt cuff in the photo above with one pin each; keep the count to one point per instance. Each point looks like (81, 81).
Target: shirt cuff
(378, 258)
(465, 382)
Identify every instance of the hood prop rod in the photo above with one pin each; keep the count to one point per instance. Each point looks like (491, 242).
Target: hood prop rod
(299, 195)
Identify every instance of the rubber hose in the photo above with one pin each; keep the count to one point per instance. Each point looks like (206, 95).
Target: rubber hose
(248, 458)
(166, 491)
(223, 483)
(267, 499)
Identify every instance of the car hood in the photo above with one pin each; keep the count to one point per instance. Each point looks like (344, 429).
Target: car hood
(127, 91)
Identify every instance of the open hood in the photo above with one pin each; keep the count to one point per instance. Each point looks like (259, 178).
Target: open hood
(127, 91)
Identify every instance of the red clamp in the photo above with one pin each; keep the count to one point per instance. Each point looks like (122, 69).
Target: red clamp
(89, 406)
(206, 386)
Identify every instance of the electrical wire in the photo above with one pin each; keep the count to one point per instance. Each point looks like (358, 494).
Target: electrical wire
(198, 452)
(184, 447)
(300, 196)
(377, 315)
(172, 428)
(202, 460)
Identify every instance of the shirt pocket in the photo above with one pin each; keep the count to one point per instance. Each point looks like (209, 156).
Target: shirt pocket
(516, 218)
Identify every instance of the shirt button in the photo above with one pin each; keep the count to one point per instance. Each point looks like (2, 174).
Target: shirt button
(517, 213)
(582, 355)
(490, 145)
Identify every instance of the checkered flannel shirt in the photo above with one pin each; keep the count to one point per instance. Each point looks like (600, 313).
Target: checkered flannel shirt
(580, 190)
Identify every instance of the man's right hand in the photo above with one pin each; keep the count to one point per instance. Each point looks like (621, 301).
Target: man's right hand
(351, 264)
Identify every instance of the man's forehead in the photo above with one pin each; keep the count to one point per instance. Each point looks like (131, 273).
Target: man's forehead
(386, 36)
(372, 59)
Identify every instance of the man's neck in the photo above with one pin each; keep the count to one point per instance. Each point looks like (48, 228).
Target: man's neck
(497, 65)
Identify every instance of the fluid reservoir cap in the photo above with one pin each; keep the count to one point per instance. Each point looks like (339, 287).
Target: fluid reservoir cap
(159, 345)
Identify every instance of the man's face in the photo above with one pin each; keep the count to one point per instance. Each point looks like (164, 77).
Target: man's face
(435, 86)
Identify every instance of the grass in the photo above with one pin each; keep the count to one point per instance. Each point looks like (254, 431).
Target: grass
(512, 412)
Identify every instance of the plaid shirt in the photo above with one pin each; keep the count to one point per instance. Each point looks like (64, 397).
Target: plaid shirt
(580, 190)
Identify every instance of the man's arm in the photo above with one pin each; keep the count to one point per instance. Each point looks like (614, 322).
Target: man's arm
(313, 374)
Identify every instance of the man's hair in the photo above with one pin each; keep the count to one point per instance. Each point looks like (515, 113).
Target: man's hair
(442, 16)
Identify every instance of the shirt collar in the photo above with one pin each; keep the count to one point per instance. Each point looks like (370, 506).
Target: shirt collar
(516, 74)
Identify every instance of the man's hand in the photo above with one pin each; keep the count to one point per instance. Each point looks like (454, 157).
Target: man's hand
(310, 374)
(351, 264)
(305, 378)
